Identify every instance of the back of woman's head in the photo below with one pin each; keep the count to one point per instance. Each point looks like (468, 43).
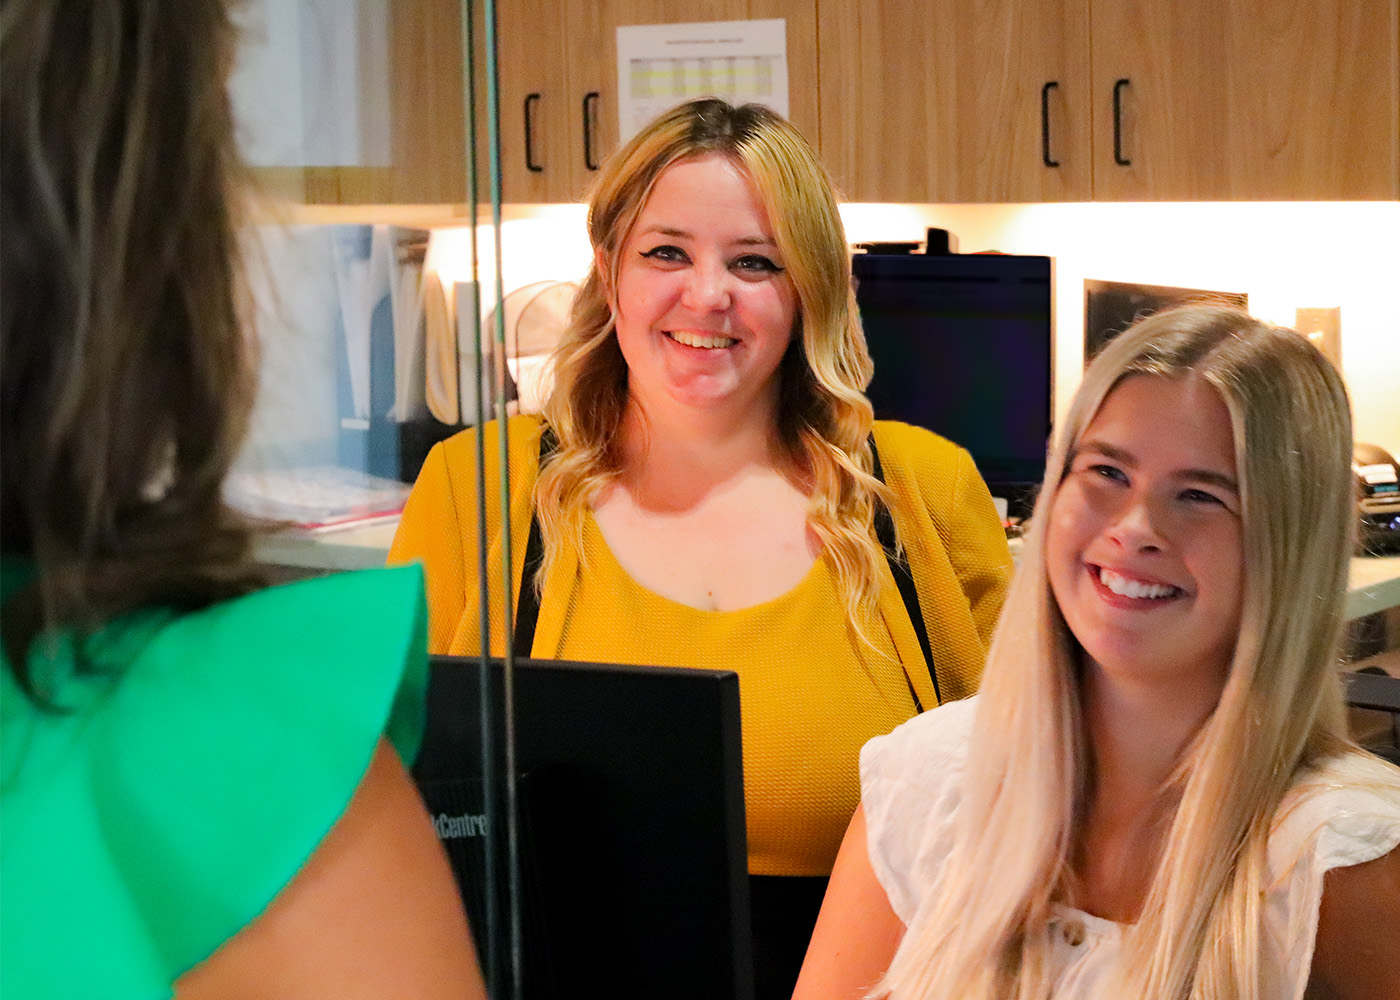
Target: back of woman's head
(126, 378)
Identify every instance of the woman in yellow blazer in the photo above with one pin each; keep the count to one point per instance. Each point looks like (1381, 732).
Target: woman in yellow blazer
(707, 497)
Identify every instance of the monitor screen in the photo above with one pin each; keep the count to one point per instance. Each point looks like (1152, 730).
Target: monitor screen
(1110, 307)
(633, 868)
(963, 345)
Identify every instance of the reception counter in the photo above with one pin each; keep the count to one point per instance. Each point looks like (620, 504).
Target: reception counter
(1374, 585)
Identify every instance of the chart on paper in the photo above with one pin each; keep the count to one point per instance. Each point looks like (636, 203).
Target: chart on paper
(659, 66)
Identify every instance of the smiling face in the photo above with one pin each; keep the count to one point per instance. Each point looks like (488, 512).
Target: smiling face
(704, 311)
(1144, 547)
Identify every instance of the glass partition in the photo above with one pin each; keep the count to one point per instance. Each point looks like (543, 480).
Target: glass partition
(417, 244)
(371, 128)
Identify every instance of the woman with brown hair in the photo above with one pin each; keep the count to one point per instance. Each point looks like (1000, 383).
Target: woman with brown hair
(707, 497)
(202, 787)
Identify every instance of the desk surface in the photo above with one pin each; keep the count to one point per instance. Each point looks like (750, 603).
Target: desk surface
(1374, 584)
(346, 548)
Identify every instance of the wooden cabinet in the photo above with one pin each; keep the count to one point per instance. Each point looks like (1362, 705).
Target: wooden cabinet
(956, 101)
(559, 82)
(594, 25)
(930, 100)
(1246, 99)
(425, 120)
(993, 100)
(536, 104)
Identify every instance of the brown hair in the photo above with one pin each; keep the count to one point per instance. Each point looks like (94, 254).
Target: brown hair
(127, 376)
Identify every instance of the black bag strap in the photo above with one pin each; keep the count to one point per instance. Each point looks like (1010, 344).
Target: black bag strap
(903, 577)
(527, 608)
(527, 612)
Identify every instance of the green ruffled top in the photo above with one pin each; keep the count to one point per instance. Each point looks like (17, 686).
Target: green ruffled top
(189, 778)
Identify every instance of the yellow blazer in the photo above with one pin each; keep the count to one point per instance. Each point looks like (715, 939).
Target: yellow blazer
(809, 699)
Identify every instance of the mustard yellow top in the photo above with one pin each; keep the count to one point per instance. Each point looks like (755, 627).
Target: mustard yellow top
(811, 692)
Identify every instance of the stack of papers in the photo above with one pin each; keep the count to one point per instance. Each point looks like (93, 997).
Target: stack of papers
(323, 498)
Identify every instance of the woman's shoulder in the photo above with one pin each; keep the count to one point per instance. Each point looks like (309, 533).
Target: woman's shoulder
(202, 765)
(523, 431)
(906, 444)
(911, 781)
(929, 471)
(450, 472)
(1341, 816)
(322, 648)
(400, 586)
(286, 634)
(1342, 810)
(933, 741)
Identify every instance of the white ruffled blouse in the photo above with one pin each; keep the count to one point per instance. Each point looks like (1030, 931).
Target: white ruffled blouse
(910, 788)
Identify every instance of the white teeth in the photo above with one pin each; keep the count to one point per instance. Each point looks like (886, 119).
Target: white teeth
(1124, 587)
(700, 340)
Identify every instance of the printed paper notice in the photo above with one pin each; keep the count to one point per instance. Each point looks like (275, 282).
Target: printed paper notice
(662, 65)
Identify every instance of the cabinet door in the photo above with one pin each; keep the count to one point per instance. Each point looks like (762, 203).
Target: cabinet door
(956, 101)
(593, 63)
(535, 103)
(427, 113)
(1246, 99)
(422, 113)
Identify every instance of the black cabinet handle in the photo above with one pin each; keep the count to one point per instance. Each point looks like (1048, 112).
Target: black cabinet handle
(1045, 123)
(530, 163)
(589, 99)
(1118, 157)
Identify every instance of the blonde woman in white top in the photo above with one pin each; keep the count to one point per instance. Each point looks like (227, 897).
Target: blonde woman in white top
(1154, 795)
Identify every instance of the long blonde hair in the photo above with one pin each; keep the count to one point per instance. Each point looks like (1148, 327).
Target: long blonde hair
(824, 417)
(1198, 935)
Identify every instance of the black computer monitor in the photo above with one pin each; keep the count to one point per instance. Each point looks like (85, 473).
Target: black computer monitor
(1110, 307)
(633, 867)
(964, 345)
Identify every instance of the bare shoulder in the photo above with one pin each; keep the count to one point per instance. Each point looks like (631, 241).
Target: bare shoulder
(1357, 953)
(373, 913)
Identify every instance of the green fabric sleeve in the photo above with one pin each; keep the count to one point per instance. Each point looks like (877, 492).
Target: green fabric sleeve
(148, 827)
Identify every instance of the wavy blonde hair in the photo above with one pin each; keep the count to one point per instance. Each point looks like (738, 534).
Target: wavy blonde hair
(824, 419)
(1198, 935)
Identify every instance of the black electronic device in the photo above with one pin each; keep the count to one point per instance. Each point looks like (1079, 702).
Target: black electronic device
(633, 868)
(963, 344)
(1110, 307)
(1377, 500)
(889, 247)
(1371, 689)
